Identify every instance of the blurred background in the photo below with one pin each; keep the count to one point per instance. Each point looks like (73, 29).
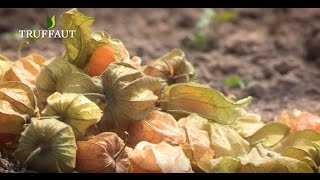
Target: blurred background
(270, 54)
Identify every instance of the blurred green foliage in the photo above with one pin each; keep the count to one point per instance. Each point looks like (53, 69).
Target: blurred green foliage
(237, 81)
(209, 17)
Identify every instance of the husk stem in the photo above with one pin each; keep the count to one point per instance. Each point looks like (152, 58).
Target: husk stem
(32, 155)
(118, 154)
(96, 95)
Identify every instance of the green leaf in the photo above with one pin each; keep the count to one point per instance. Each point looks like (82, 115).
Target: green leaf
(129, 95)
(51, 22)
(199, 38)
(73, 109)
(270, 134)
(203, 100)
(233, 81)
(56, 142)
(226, 15)
(206, 18)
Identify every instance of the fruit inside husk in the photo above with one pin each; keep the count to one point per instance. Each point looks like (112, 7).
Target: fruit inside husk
(17, 106)
(73, 109)
(47, 145)
(104, 153)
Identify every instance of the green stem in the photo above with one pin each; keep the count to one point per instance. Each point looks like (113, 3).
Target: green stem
(181, 78)
(46, 117)
(32, 155)
(22, 48)
(117, 155)
(97, 95)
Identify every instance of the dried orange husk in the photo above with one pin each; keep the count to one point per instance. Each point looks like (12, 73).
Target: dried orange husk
(198, 147)
(226, 141)
(207, 140)
(25, 70)
(103, 153)
(156, 127)
(129, 95)
(171, 68)
(5, 64)
(247, 124)
(156, 158)
(262, 160)
(303, 145)
(250, 127)
(135, 62)
(55, 70)
(17, 106)
(223, 164)
(270, 134)
(258, 160)
(299, 120)
(47, 145)
(73, 109)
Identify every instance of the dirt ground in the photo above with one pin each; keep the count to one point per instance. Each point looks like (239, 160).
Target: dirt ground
(278, 48)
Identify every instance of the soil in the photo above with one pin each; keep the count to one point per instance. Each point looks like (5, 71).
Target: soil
(278, 48)
(8, 165)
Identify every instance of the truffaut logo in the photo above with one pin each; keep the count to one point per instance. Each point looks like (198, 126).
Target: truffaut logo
(49, 33)
(51, 22)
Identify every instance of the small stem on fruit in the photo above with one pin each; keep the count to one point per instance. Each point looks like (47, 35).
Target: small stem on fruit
(28, 119)
(118, 154)
(31, 156)
(171, 68)
(97, 95)
(46, 117)
(184, 76)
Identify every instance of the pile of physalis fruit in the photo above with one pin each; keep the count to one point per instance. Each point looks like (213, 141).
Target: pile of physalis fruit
(95, 109)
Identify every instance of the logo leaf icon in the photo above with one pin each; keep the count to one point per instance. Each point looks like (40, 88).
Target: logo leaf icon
(51, 22)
